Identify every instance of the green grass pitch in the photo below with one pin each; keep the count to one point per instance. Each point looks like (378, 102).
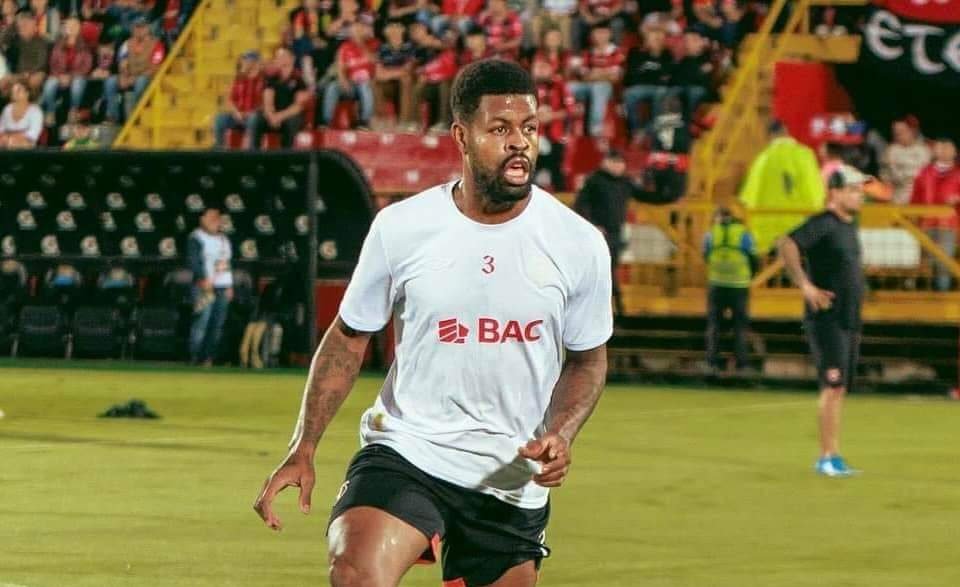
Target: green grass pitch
(670, 487)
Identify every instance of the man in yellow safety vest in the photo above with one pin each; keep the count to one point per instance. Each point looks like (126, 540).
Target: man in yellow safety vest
(730, 252)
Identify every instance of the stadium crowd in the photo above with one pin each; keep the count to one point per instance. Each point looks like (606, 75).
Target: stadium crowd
(65, 64)
(648, 63)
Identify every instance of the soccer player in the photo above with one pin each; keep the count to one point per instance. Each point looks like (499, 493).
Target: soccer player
(502, 299)
(833, 287)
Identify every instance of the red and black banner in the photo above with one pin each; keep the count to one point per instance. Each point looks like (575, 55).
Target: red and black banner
(914, 39)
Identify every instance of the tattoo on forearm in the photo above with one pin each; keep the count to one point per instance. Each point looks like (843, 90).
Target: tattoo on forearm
(576, 393)
(332, 374)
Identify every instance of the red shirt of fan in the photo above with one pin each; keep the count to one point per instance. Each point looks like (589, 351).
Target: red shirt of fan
(171, 15)
(602, 58)
(501, 30)
(558, 63)
(358, 64)
(247, 93)
(441, 68)
(461, 7)
(557, 96)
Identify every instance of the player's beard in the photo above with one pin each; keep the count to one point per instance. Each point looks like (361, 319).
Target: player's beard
(492, 186)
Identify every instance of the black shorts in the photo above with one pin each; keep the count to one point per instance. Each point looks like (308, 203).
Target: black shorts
(482, 536)
(835, 350)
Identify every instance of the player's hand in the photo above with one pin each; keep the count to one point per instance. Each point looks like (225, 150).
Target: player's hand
(553, 451)
(819, 299)
(296, 471)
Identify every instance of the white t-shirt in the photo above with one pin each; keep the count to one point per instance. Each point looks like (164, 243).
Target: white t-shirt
(483, 315)
(216, 257)
(31, 124)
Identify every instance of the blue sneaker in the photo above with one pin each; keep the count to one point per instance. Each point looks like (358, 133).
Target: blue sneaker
(841, 465)
(827, 466)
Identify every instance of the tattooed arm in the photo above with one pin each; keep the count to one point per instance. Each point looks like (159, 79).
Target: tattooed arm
(574, 397)
(332, 374)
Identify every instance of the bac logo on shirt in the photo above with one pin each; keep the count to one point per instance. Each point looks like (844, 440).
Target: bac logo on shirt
(489, 331)
(450, 330)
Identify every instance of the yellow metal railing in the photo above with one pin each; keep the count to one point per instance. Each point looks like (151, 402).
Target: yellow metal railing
(153, 90)
(740, 100)
(684, 226)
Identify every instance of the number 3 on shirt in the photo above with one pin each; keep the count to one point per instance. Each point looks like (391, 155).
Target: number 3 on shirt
(488, 266)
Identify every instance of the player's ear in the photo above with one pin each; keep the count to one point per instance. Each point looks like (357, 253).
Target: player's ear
(459, 133)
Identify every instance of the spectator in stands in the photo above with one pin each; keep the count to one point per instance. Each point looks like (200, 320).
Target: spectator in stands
(555, 14)
(596, 73)
(394, 76)
(692, 75)
(246, 99)
(283, 99)
(603, 201)
(706, 14)
(170, 16)
(8, 23)
(557, 109)
(669, 129)
(356, 66)
(28, 55)
(594, 12)
(104, 68)
(436, 68)
(138, 60)
(209, 255)
(121, 16)
(81, 138)
(4, 71)
(648, 77)
(938, 184)
(475, 47)
(21, 122)
(552, 53)
(730, 253)
(308, 24)
(405, 11)
(70, 63)
(48, 19)
(903, 159)
(347, 13)
(735, 23)
(460, 14)
(503, 29)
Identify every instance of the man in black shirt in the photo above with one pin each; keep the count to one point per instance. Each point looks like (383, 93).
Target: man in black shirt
(832, 287)
(693, 73)
(283, 99)
(603, 201)
(647, 76)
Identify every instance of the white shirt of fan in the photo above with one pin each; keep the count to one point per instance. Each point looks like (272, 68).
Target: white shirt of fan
(483, 315)
(217, 253)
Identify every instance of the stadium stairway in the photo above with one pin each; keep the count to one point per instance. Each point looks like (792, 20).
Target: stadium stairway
(722, 155)
(177, 109)
(894, 356)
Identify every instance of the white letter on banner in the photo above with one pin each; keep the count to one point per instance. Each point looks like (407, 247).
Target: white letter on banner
(951, 52)
(875, 33)
(919, 33)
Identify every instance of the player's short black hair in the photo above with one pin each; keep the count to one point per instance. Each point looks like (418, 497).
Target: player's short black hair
(487, 77)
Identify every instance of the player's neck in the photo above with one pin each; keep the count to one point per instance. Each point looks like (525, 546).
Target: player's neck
(479, 208)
